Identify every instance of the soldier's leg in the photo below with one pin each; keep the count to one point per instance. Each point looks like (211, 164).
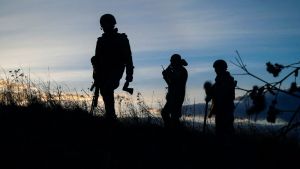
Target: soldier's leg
(165, 114)
(109, 103)
(229, 124)
(176, 114)
(219, 126)
(224, 128)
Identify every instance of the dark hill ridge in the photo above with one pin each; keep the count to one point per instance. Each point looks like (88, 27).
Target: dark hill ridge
(39, 137)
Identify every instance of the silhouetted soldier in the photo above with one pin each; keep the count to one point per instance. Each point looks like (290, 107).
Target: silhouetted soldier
(223, 95)
(112, 56)
(175, 76)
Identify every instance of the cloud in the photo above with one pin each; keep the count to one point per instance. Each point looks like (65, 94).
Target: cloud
(150, 25)
(62, 34)
(148, 72)
(203, 26)
(202, 68)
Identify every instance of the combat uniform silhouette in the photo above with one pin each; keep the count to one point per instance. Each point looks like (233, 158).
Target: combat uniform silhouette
(223, 95)
(175, 76)
(112, 56)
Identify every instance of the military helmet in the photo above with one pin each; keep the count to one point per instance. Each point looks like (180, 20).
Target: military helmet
(176, 58)
(221, 64)
(107, 19)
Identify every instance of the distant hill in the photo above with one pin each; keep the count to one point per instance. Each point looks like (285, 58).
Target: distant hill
(285, 102)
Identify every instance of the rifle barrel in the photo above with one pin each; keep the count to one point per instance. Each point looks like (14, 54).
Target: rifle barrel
(205, 117)
(95, 99)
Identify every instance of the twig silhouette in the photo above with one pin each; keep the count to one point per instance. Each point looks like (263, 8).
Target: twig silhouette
(274, 88)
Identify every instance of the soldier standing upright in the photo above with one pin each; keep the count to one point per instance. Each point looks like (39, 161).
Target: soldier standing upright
(176, 77)
(112, 56)
(223, 95)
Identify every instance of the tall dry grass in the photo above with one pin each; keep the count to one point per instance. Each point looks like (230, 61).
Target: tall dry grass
(17, 89)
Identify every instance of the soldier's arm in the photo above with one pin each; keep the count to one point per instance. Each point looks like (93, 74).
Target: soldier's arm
(167, 75)
(129, 62)
(97, 47)
(129, 70)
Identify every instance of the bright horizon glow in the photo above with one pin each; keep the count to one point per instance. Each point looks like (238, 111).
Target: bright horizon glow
(57, 38)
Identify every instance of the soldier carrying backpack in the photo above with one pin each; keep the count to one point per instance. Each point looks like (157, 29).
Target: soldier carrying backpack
(222, 94)
(112, 57)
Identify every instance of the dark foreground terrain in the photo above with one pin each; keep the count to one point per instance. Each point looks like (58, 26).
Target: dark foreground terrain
(41, 138)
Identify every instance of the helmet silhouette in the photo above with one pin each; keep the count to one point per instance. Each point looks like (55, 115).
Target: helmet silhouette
(220, 64)
(107, 19)
(176, 58)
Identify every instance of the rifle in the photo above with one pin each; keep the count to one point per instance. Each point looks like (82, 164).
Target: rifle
(205, 116)
(207, 87)
(95, 97)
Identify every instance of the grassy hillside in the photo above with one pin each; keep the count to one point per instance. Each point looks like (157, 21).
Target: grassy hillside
(45, 128)
(37, 136)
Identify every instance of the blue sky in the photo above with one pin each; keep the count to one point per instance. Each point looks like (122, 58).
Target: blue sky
(58, 37)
